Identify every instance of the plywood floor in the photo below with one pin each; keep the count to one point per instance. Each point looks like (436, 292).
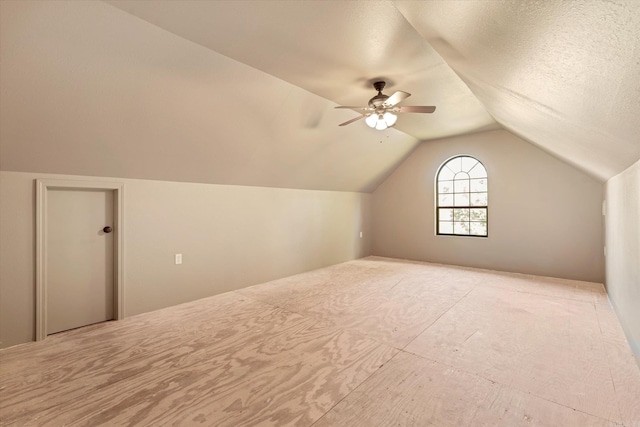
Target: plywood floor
(365, 343)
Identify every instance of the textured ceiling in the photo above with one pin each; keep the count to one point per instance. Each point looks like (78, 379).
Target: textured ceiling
(242, 92)
(564, 75)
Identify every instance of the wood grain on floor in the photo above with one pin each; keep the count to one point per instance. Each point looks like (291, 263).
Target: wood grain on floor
(412, 391)
(369, 342)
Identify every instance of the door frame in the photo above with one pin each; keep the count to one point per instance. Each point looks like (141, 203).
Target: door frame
(42, 188)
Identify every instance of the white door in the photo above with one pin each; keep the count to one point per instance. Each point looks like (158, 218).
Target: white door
(79, 258)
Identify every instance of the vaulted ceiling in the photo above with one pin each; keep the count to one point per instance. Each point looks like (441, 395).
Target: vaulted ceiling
(564, 75)
(242, 92)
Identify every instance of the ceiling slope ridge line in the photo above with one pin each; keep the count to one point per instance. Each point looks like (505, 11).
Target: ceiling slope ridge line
(444, 61)
(210, 49)
(468, 133)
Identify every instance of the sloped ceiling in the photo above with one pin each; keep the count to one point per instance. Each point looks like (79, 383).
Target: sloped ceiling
(242, 92)
(334, 49)
(564, 75)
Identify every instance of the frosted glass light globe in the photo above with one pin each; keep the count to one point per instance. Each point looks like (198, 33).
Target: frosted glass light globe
(371, 120)
(390, 119)
(381, 125)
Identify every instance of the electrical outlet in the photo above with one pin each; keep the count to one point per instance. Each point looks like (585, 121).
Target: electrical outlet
(178, 259)
(361, 234)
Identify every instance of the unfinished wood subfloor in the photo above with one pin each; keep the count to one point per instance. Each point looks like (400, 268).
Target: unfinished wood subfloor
(365, 343)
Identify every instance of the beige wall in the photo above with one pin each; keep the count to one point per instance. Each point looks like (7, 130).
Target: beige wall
(623, 250)
(544, 215)
(230, 237)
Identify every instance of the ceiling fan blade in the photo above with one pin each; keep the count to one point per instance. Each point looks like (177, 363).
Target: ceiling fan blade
(356, 108)
(396, 98)
(415, 109)
(351, 121)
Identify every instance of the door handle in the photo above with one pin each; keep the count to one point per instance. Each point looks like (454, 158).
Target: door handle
(107, 229)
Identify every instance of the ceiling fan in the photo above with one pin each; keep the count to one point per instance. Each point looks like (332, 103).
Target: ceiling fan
(382, 109)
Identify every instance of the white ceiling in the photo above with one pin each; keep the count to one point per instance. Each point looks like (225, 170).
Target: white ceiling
(334, 49)
(562, 75)
(242, 92)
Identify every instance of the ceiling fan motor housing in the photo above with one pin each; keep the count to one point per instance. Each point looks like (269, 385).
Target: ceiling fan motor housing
(379, 99)
(379, 85)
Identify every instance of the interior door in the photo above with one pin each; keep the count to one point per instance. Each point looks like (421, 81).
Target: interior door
(80, 286)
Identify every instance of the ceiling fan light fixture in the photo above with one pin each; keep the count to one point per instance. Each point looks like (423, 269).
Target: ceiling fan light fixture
(381, 121)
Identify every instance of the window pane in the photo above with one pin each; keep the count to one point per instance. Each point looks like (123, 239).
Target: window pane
(461, 199)
(445, 186)
(468, 163)
(478, 171)
(445, 174)
(479, 228)
(455, 164)
(479, 199)
(461, 214)
(461, 175)
(445, 214)
(461, 185)
(478, 215)
(479, 184)
(461, 227)
(446, 227)
(445, 200)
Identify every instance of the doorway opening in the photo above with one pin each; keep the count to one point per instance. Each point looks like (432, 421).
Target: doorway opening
(51, 195)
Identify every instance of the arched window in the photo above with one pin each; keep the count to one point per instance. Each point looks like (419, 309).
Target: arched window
(462, 198)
